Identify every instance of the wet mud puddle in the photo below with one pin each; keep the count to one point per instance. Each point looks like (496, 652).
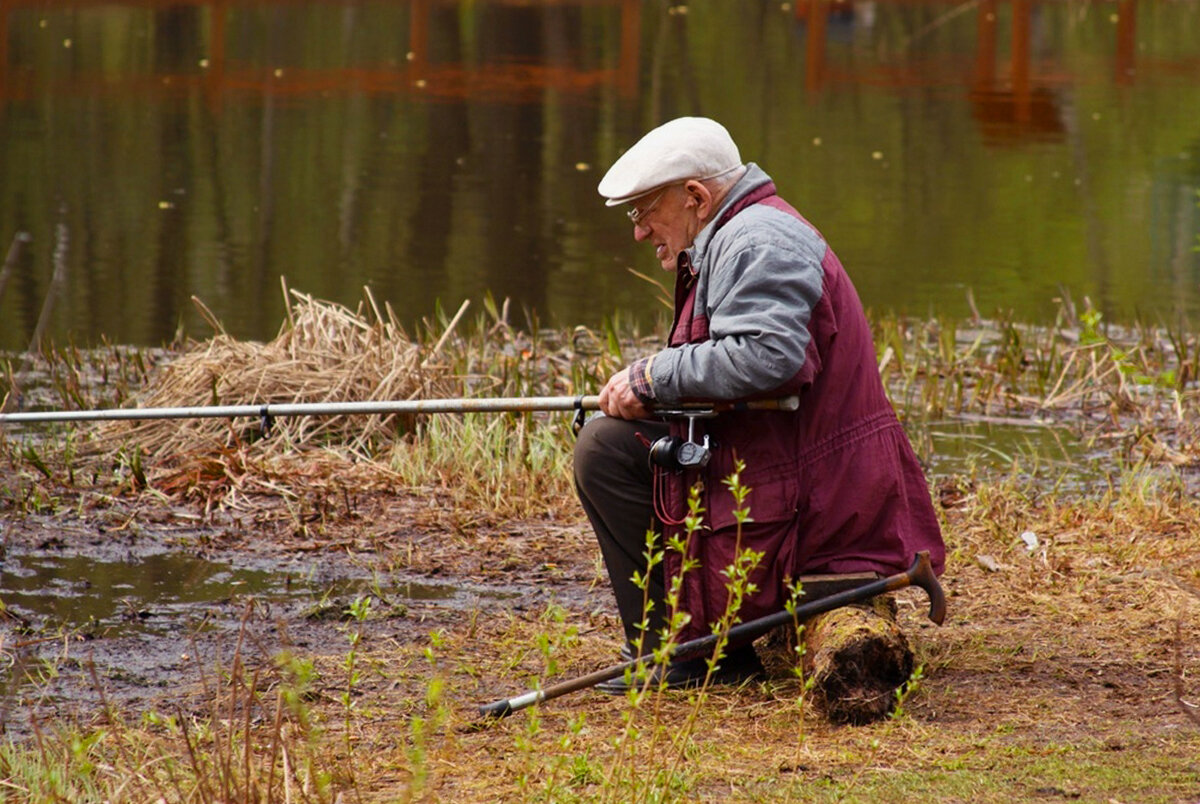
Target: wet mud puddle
(152, 593)
(78, 628)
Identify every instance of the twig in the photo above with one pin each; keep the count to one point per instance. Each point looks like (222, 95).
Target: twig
(662, 294)
(940, 21)
(437, 347)
(208, 316)
(10, 261)
(57, 280)
(287, 302)
(976, 318)
(197, 767)
(1188, 709)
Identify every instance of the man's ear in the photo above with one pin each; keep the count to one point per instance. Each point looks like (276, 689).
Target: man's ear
(700, 198)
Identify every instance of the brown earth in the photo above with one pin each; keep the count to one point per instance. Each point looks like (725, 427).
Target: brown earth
(1063, 672)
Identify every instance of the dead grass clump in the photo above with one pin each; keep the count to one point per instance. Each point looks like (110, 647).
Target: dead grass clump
(323, 353)
(1074, 577)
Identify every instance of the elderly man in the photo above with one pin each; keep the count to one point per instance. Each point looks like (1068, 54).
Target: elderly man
(763, 308)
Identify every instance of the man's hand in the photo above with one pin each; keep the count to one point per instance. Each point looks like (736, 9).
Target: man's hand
(618, 400)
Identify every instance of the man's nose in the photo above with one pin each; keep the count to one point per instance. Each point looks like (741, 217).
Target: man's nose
(640, 231)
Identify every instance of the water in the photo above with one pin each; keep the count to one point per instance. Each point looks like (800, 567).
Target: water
(154, 593)
(1060, 458)
(435, 151)
(99, 623)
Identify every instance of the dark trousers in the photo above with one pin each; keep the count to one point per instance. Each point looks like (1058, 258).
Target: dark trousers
(616, 485)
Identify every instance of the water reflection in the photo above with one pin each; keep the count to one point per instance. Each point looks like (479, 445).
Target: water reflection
(991, 447)
(157, 592)
(160, 149)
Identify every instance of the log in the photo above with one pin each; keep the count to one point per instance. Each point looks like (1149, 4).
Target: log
(855, 657)
(858, 658)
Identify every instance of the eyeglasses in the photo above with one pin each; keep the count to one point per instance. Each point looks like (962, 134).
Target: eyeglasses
(638, 214)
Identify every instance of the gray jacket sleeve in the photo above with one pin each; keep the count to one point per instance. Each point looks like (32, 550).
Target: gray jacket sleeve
(759, 299)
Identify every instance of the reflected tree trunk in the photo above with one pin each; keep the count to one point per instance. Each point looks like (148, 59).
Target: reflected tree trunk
(687, 69)
(985, 47)
(1093, 225)
(3, 53)
(814, 50)
(514, 36)
(657, 78)
(1021, 61)
(260, 283)
(353, 146)
(1125, 64)
(425, 251)
(179, 41)
(631, 41)
(208, 141)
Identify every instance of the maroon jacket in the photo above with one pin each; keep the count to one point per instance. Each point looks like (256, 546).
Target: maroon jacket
(835, 486)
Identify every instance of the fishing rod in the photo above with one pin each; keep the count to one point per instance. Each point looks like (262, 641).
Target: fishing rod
(670, 452)
(268, 411)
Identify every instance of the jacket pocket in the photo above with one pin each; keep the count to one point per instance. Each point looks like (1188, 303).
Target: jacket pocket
(772, 497)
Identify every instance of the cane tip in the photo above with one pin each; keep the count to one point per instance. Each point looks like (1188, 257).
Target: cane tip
(496, 710)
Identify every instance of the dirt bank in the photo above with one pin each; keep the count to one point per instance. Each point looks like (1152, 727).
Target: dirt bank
(1059, 674)
(131, 601)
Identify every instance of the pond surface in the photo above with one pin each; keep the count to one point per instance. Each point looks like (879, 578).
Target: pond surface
(156, 150)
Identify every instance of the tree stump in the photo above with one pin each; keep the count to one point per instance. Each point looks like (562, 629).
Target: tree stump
(856, 658)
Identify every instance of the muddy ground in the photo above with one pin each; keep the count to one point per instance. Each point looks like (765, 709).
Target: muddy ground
(1056, 674)
(194, 587)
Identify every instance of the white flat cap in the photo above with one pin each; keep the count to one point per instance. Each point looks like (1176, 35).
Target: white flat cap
(685, 148)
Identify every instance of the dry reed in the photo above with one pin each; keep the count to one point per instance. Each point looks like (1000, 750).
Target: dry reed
(323, 353)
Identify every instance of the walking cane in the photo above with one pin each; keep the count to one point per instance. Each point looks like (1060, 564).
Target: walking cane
(919, 574)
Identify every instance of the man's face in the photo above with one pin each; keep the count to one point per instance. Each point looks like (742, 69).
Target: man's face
(668, 220)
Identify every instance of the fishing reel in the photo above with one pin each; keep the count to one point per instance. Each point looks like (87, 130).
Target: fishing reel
(677, 454)
(672, 452)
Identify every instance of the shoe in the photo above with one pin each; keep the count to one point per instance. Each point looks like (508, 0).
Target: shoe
(738, 666)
